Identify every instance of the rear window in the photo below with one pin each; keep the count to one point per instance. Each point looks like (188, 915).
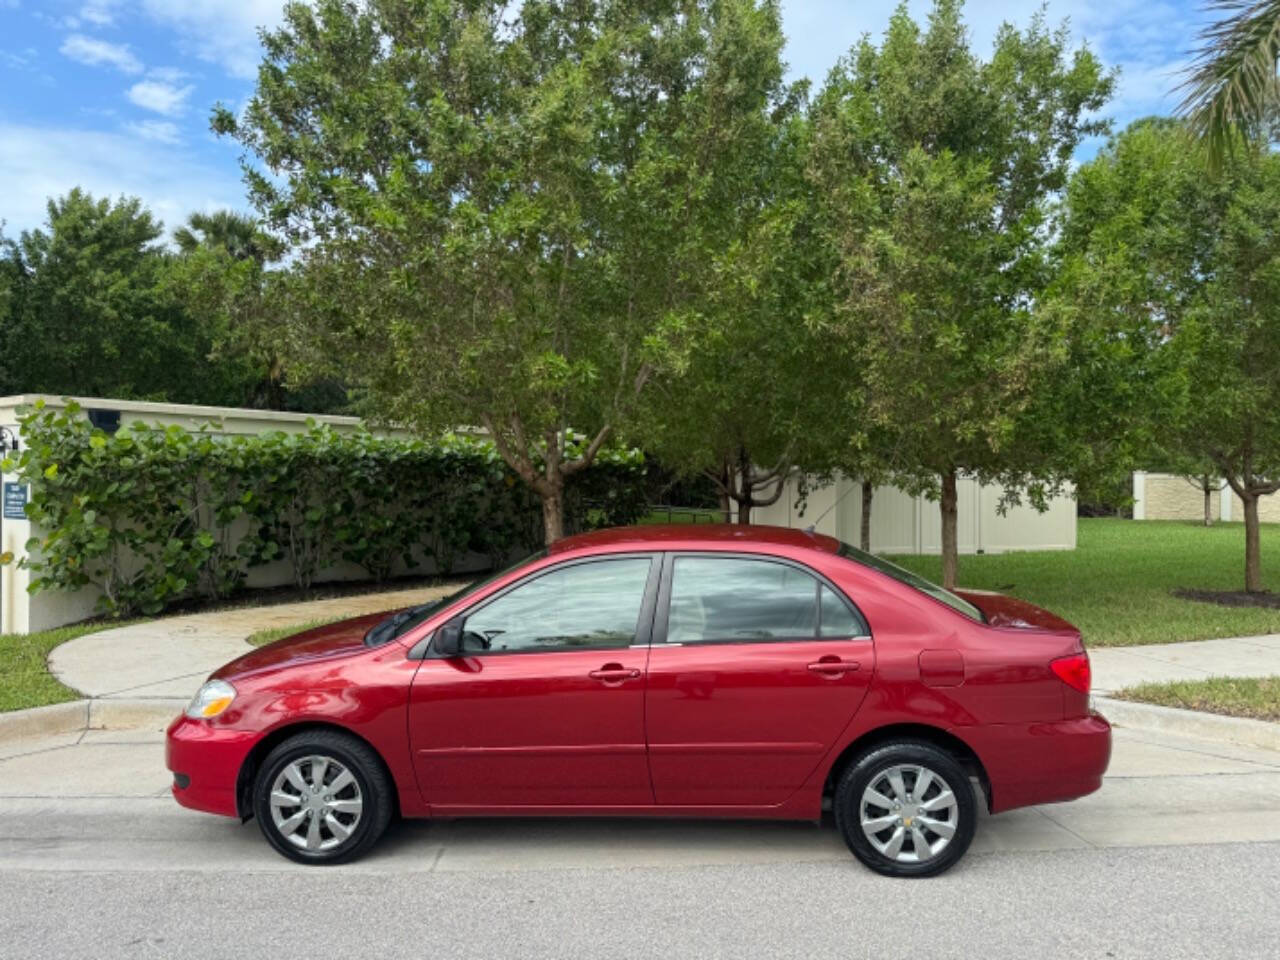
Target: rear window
(902, 575)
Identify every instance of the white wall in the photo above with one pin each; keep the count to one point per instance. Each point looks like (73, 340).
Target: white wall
(901, 523)
(21, 612)
(1167, 496)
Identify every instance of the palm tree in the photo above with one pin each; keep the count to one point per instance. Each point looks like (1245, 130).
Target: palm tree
(1231, 85)
(250, 329)
(236, 233)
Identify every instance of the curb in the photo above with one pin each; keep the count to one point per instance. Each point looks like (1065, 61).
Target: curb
(98, 714)
(1190, 723)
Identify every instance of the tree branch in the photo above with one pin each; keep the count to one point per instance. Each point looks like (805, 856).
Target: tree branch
(588, 455)
(516, 460)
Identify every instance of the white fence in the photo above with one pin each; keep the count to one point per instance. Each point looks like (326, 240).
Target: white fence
(901, 523)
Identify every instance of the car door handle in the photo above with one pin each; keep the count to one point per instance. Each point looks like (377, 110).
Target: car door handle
(614, 673)
(833, 668)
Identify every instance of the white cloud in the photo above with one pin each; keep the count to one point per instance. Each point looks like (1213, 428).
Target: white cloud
(101, 13)
(167, 74)
(160, 97)
(19, 61)
(159, 131)
(218, 31)
(95, 52)
(41, 162)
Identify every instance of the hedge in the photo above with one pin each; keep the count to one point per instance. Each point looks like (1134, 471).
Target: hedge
(155, 515)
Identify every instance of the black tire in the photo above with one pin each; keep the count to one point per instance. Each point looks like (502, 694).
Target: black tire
(875, 764)
(371, 779)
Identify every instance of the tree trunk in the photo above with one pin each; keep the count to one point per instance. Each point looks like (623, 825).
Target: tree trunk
(726, 487)
(1208, 508)
(1252, 547)
(949, 529)
(864, 532)
(553, 513)
(746, 488)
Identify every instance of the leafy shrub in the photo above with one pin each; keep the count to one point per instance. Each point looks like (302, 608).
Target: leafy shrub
(153, 515)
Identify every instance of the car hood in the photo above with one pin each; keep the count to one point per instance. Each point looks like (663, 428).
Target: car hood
(1002, 610)
(332, 640)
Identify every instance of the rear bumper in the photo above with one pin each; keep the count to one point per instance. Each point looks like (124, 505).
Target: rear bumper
(1032, 763)
(205, 761)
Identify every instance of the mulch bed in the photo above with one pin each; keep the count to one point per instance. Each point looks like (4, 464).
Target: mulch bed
(1231, 598)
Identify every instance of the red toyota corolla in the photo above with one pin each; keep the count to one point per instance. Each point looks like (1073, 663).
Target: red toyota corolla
(695, 671)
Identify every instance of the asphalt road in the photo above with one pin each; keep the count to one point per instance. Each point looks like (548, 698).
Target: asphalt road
(1177, 856)
(1196, 902)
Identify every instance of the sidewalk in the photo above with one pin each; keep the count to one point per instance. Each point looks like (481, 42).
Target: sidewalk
(143, 674)
(140, 676)
(168, 658)
(1115, 668)
(101, 800)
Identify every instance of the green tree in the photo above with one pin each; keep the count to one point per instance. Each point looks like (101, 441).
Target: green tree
(227, 230)
(87, 312)
(1183, 271)
(749, 385)
(936, 168)
(221, 274)
(506, 218)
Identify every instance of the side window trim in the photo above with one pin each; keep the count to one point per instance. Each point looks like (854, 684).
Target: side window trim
(644, 625)
(663, 616)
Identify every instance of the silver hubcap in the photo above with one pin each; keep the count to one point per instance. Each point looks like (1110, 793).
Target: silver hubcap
(909, 813)
(316, 803)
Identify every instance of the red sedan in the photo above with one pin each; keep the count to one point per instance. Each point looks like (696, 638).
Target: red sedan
(699, 671)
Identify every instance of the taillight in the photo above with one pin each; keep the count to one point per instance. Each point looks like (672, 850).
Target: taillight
(1073, 671)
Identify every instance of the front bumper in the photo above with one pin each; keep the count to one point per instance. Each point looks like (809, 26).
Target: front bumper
(1033, 763)
(208, 759)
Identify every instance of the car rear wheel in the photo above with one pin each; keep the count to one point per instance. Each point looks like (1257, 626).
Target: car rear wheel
(322, 797)
(906, 809)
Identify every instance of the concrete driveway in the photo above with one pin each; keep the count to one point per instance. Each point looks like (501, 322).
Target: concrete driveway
(1178, 855)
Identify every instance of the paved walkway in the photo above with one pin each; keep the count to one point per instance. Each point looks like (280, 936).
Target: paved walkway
(1115, 668)
(167, 659)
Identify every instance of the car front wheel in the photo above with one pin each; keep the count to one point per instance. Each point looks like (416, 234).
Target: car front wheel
(322, 797)
(906, 809)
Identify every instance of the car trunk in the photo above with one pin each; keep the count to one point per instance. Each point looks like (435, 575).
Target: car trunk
(1002, 610)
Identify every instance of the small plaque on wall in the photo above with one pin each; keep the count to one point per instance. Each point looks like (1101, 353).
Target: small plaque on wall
(15, 501)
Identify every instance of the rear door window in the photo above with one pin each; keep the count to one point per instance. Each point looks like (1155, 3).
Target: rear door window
(744, 600)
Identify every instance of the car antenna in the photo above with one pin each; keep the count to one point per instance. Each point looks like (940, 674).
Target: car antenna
(813, 527)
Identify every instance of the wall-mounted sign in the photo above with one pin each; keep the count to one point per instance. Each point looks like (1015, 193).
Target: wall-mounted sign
(15, 501)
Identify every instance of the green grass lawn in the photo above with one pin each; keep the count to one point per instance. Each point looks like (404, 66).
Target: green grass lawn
(25, 680)
(1115, 585)
(272, 634)
(1256, 697)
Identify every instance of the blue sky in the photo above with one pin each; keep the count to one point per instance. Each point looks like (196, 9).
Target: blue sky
(114, 95)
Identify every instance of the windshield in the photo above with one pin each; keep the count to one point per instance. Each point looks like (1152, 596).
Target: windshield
(398, 624)
(902, 575)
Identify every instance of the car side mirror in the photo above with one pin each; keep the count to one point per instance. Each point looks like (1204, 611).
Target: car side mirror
(448, 640)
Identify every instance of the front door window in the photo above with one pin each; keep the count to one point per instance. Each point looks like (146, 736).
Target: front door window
(586, 606)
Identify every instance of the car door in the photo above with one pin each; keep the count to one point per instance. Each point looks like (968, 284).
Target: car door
(545, 704)
(756, 667)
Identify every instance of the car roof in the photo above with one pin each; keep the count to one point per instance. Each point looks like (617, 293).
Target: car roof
(711, 535)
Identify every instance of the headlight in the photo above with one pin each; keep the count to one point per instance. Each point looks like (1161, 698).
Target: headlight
(211, 699)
